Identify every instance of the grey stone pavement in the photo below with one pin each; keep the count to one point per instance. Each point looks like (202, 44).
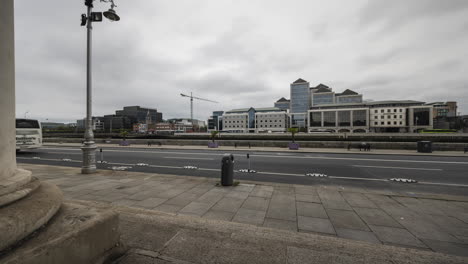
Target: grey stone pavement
(429, 222)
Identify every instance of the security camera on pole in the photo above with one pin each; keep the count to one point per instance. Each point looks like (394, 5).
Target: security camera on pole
(89, 146)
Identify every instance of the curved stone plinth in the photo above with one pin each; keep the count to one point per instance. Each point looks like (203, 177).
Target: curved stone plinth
(15, 181)
(77, 234)
(20, 192)
(21, 218)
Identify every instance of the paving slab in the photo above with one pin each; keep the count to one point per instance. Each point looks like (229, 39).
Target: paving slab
(311, 210)
(210, 198)
(346, 219)
(238, 195)
(183, 199)
(219, 215)
(377, 217)
(196, 208)
(170, 193)
(256, 203)
(249, 216)
(358, 200)
(282, 207)
(397, 236)
(262, 191)
(150, 203)
(169, 208)
(228, 204)
(280, 224)
(124, 202)
(422, 227)
(306, 190)
(418, 206)
(357, 235)
(333, 200)
(447, 247)
(314, 224)
(450, 225)
(310, 198)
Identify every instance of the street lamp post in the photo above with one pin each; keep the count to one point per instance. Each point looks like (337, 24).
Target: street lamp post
(89, 146)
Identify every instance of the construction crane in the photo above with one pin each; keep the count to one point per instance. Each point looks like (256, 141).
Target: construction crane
(191, 103)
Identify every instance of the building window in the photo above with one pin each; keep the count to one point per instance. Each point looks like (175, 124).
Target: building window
(359, 118)
(389, 123)
(329, 118)
(376, 123)
(394, 110)
(376, 111)
(344, 118)
(401, 116)
(382, 123)
(394, 116)
(401, 123)
(381, 111)
(401, 110)
(315, 119)
(394, 123)
(389, 110)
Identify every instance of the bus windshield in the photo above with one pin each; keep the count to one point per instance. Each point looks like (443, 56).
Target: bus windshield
(27, 123)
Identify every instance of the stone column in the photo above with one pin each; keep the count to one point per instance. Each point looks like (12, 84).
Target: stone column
(17, 219)
(7, 98)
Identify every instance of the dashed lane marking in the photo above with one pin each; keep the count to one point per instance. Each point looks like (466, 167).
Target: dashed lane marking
(399, 168)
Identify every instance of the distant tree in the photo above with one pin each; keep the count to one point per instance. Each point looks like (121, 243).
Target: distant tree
(213, 135)
(124, 134)
(293, 131)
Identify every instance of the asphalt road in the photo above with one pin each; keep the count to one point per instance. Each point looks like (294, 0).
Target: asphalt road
(448, 175)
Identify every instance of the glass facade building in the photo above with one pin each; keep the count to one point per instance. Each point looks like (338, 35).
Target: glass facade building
(329, 118)
(422, 116)
(360, 118)
(323, 98)
(349, 99)
(300, 97)
(344, 118)
(315, 119)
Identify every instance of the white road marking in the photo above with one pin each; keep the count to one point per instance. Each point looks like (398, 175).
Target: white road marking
(47, 159)
(188, 158)
(400, 168)
(279, 173)
(279, 156)
(356, 178)
(444, 184)
(64, 153)
(272, 173)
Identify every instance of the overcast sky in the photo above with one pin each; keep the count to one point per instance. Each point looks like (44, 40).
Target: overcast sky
(239, 53)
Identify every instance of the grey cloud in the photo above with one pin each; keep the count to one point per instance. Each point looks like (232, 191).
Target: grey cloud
(394, 14)
(246, 57)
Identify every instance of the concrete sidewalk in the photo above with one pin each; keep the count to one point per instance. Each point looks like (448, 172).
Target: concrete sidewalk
(423, 221)
(275, 149)
(156, 237)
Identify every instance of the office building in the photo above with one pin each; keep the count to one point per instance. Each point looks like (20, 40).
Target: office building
(215, 122)
(444, 109)
(299, 103)
(283, 104)
(379, 116)
(244, 120)
(271, 121)
(138, 114)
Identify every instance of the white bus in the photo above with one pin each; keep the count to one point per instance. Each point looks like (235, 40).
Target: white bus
(28, 134)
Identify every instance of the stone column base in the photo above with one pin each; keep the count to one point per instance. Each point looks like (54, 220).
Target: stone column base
(76, 234)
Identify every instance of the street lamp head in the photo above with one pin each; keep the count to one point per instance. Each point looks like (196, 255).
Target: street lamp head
(111, 15)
